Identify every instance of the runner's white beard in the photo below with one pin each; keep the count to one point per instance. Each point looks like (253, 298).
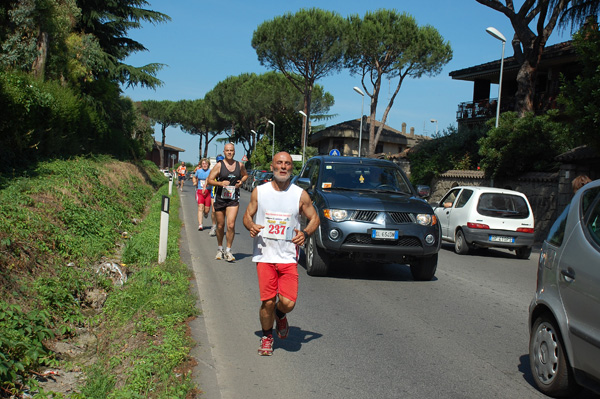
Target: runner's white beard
(280, 179)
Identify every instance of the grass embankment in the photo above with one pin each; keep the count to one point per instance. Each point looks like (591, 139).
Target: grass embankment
(58, 226)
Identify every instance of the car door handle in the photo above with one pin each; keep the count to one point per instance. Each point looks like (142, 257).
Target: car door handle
(569, 273)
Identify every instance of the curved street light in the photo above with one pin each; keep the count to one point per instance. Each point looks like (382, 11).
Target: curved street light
(436, 125)
(255, 138)
(496, 34)
(362, 108)
(273, 149)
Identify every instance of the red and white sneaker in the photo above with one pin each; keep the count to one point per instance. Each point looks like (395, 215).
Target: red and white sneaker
(266, 346)
(282, 327)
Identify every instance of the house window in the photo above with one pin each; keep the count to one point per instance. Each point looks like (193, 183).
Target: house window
(379, 148)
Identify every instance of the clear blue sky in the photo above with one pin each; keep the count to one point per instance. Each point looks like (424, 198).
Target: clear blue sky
(209, 40)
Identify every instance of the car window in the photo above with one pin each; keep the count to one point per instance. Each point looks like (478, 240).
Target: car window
(587, 198)
(590, 209)
(367, 177)
(305, 173)
(503, 206)
(557, 231)
(593, 223)
(463, 198)
(449, 199)
(314, 174)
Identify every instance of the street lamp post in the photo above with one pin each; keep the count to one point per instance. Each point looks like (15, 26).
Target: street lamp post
(362, 108)
(255, 138)
(495, 33)
(305, 134)
(273, 149)
(436, 125)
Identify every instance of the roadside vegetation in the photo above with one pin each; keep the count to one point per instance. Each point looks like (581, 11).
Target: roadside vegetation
(81, 293)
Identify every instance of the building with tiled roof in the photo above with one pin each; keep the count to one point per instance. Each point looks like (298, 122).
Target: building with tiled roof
(344, 137)
(171, 154)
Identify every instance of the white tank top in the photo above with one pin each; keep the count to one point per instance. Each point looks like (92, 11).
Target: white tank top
(279, 213)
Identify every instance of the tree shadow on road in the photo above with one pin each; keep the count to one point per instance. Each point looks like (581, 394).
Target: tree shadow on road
(486, 252)
(295, 339)
(365, 270)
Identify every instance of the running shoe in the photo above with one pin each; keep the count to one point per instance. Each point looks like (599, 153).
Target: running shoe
(282, 327)
(266, 346)
(219, 255)
(213, 231)
(229, 256)
(200, 228)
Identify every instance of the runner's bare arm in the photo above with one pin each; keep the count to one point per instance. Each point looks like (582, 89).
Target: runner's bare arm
(214, 172)
(249, 224)
(308, 210)
(243, 173)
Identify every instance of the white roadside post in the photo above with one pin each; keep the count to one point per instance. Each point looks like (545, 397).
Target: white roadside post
(171, 184)
(164, 229)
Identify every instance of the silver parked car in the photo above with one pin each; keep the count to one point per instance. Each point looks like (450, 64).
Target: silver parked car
(564, 316)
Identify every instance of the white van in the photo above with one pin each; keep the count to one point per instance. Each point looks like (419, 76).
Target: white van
(486, 217)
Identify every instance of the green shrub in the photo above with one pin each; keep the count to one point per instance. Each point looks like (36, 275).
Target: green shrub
(520, 145)
(453, 149)
(21, 344)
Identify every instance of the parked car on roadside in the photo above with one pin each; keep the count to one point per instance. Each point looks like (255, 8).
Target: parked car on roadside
(486, 217)
(564, 315)
(248, 183)
(369, 213)
(245, 183)
(261, 178)
(294, 179)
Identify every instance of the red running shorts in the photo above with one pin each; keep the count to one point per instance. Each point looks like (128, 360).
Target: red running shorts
(203, 199)
(277, 278)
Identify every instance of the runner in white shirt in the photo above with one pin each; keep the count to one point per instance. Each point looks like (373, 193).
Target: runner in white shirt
(273, 219)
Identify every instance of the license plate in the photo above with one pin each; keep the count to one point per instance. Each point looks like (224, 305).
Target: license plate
(384, 234)
(502, 239)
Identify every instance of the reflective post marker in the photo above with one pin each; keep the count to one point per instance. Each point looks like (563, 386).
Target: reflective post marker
(164, 229)
(171, 184)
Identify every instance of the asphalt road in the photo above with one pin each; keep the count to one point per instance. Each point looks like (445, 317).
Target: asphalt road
(367, 331)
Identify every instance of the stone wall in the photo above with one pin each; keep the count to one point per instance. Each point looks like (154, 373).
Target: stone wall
(452, 178)
(542, 191)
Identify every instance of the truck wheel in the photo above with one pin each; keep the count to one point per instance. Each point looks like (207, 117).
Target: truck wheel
(548, 361)
(460, 244)
(317, 261)
(423, 269)
(523, 252)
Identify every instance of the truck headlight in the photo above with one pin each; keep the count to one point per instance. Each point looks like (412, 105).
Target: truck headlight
(337, 215)
(425, 219)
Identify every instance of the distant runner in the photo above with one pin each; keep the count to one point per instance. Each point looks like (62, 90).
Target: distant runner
(227, 176)
(213, 217)
(203, 191)
(181, 171)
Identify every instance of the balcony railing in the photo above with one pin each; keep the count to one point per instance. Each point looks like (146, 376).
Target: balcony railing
(483, 109)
